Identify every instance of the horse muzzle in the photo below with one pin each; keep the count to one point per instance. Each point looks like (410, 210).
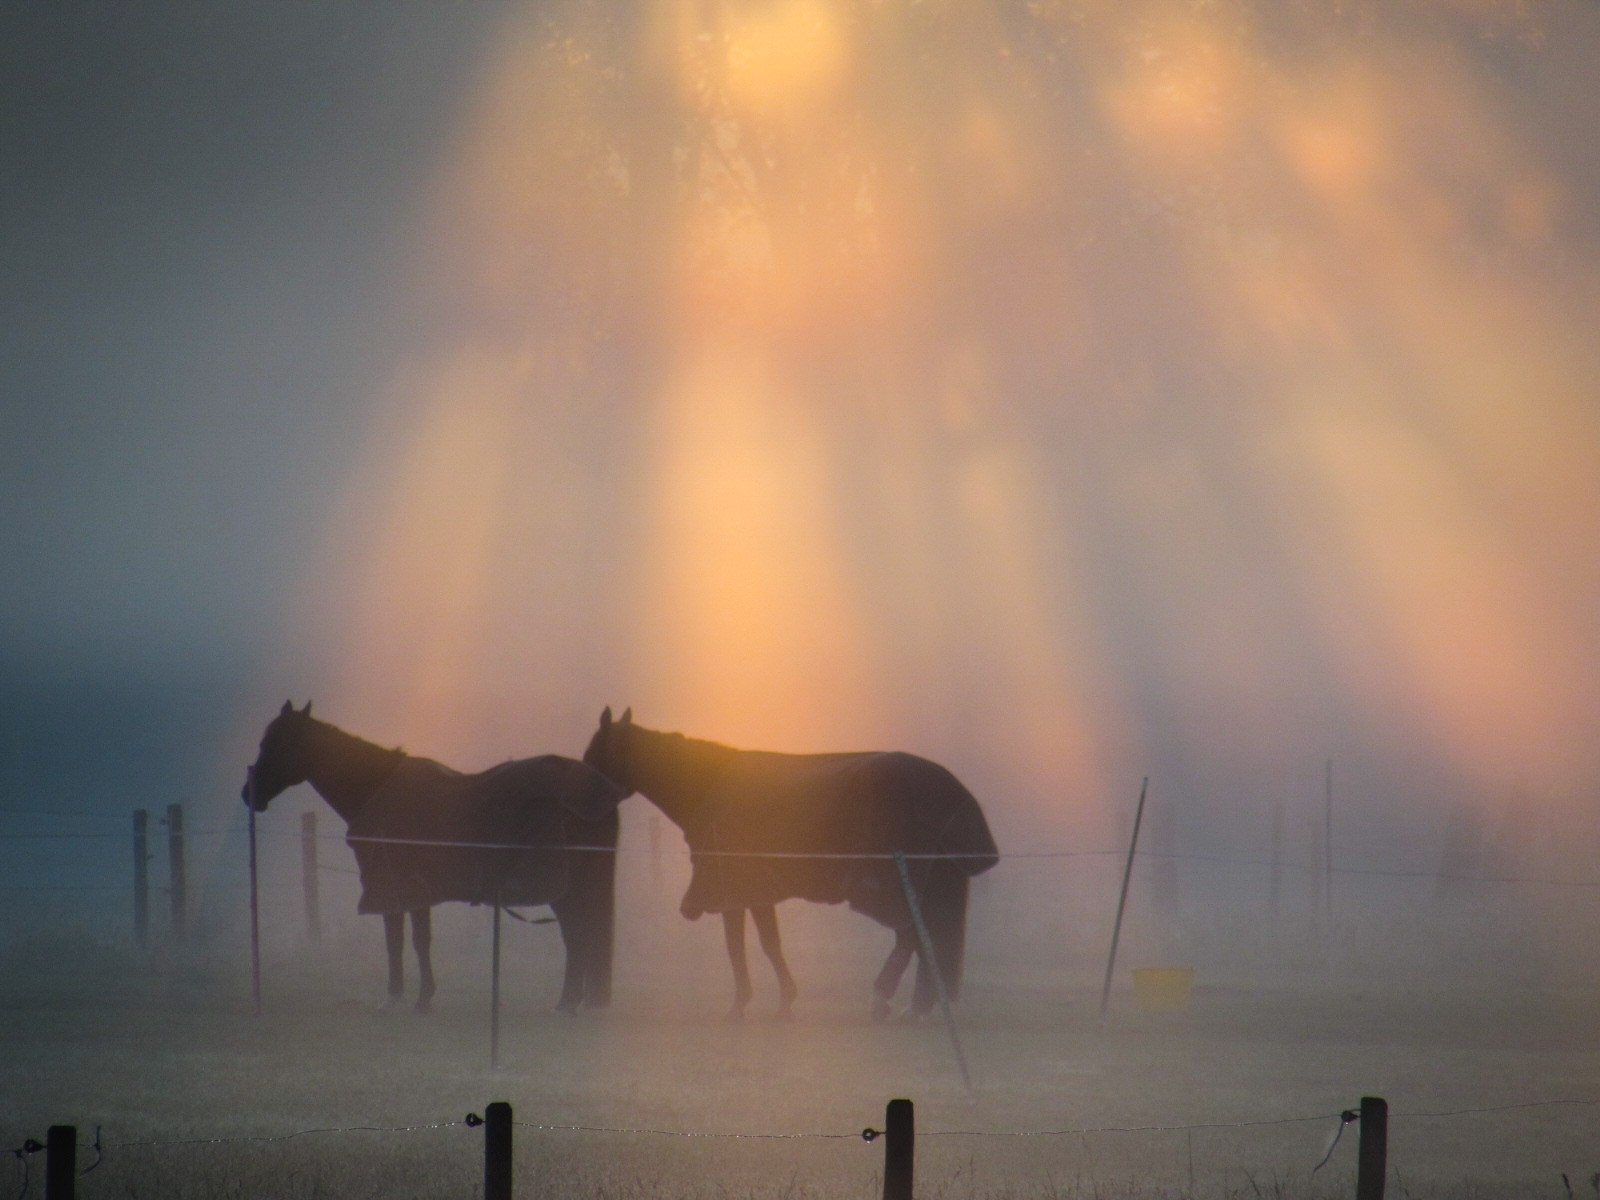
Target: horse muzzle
(250, 794)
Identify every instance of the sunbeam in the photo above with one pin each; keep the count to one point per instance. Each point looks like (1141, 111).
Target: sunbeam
(1047, 382)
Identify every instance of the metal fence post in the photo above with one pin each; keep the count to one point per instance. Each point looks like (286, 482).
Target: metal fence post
(61, 1162)
(1372, 1152)
(497, 1151)
(494, 992)
(141, 878)
(175, 855)
(899, 1149)
(255, 908)
(308, 869)
(1122, 899)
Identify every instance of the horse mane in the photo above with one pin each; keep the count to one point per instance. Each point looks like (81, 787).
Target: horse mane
(367, 764)
(695, 762)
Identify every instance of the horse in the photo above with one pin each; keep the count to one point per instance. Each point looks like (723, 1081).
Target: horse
(764, 827)
(530, 831)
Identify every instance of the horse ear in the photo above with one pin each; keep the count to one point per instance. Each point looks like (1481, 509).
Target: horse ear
(306, 711)
(627, 716)
(288, 707)
(605, 718)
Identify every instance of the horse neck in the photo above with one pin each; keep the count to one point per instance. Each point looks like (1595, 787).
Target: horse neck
(344, 769)
(675, 773)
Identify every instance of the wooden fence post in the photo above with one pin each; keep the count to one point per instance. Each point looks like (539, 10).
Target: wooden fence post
(141, 878)
(1372, 1153)
(497, 1151)
(308, 871)
(175, 856)
(60, 1162)
(899, 1149)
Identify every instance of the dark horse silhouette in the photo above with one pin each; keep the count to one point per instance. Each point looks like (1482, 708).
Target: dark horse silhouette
(533, 831)
(764, 827)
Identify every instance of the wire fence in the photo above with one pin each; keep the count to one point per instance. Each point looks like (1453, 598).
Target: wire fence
(105, 1150)
(1207, 936)
(1284, 864)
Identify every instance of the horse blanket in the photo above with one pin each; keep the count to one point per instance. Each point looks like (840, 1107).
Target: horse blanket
(832, 806)
(512, 826)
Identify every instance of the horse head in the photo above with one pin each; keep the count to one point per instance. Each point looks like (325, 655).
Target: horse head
(608, 750)
(281, 762)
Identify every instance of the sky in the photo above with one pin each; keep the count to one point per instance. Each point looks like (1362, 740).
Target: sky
(1071, 392)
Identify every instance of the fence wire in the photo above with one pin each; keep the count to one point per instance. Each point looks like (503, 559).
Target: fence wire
(654, 852)
(472, 1120)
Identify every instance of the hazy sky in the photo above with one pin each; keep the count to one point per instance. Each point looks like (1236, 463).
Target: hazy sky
(1069, 392)
(200, 206)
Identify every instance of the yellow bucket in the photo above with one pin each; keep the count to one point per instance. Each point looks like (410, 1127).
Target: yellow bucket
(1162, 989)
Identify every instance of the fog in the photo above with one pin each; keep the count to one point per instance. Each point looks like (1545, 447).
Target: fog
(1075, 394)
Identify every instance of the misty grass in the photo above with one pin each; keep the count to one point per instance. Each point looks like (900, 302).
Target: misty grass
(96, 1037)
(369, 1177)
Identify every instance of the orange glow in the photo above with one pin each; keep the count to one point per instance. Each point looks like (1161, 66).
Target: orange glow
(1180, 89)
(427, 580)
(758, 637)
(1465, 641)
(1334, 151)
(1084, 387)
(783, 56)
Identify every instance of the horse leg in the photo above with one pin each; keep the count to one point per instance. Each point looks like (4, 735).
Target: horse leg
(766, 919)
(394, 941)
(422, 943)
(733, 934)
(574, 938)
(883, 988)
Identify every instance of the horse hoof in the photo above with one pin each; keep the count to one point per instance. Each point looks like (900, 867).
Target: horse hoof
(785, 1013)
(882, 1010)
(424, 1007)
(389, 1004)
(735, 1015)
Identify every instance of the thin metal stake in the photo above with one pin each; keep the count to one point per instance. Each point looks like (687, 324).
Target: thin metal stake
(494, 994)
(1122, 901)
(255, 905)
(141, 878)
(933, 965)
(1327, 839)
(308, 876)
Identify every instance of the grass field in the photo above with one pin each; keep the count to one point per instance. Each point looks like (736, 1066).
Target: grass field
(170, 1063)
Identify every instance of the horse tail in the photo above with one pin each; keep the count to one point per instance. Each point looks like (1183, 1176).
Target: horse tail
(944, 911)
(935, 799)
